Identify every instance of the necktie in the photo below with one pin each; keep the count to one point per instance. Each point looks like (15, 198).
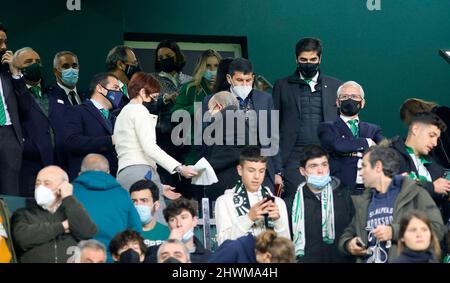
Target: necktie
(353, 127)
(105, 113)
(307, 80)
(36, 90)
(72, 98)
(2, 112)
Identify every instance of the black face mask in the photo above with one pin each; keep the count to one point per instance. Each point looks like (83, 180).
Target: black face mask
(129, 256)
(171, 260)
(32, 73)
(130, 70)
(167, 65)
(350, 107)
(308, 70)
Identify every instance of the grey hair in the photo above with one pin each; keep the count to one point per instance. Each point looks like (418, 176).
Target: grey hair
(350, 83)
(174, 241)
(226, 99)
(21, 50)
(91, 244)
(60, 54)
(95, 162)
(388, 157)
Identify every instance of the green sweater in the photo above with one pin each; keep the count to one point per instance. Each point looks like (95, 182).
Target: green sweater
(185, 101)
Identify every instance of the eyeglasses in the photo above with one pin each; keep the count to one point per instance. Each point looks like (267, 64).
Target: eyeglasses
(351, 96)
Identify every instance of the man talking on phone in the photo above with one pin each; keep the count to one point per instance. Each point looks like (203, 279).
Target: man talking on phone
(249, 207)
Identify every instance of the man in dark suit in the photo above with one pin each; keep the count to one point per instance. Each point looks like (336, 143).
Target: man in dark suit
(62, 95)
(305, 99)
(259, 105)
(89, 126)
(346, 138)
(38, 133)
(11, 140)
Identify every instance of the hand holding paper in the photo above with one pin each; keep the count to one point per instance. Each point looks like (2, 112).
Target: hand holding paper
(206, 175)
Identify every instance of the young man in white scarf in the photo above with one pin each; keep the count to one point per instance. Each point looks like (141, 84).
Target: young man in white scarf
(250, 207)
(321, 209)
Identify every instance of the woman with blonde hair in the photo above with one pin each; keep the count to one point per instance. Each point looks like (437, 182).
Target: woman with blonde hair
(204, 77)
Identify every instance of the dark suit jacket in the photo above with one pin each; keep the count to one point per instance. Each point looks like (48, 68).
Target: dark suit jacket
(286, 98)
(36, 126)
(59, 102)
(13, 102)
(87, 131)
(261, 101)
(337, 139)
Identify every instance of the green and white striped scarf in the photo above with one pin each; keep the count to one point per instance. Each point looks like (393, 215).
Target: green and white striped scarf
(242, 203)
(298, 218)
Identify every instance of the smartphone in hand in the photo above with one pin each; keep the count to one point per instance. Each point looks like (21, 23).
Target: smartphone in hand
(360, 243)
(269, 198)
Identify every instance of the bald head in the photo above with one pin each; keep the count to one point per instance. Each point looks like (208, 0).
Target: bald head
(51, 177)
(95, 162)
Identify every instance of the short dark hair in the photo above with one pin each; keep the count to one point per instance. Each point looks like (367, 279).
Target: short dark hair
(388, 156)
(429, 118)
(122, 238)
(240, 65)
(3, 28)
(310, 152)
(99, 79)
(221, 78)
(252, 154)
(180, 60)
(116, 54)
(142, 80)
(308, 44)
(176, 207)
(146, 185)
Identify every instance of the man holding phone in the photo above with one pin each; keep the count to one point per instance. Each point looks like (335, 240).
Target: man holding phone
(250, 207)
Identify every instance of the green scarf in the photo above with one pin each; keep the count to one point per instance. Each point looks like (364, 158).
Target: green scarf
(242, 203)
(298, 218)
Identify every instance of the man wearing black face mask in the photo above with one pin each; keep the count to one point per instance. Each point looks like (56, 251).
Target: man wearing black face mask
(37, 124)
(10, 128)
(346, 138)
(305, 99)
(122, 63)
(89, 126)
(128, 247)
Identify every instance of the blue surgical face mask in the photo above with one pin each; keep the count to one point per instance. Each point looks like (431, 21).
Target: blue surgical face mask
(145, 213)
(188, 235)
(69, 76)
(318, 181)
(208, 75)
(114, 96)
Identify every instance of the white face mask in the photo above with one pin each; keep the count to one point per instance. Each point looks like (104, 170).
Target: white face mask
(44, 196)
(241, 91)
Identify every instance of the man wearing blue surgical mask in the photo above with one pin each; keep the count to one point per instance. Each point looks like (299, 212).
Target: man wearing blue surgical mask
(61, 95)
(145, 196)
(88, 127)
(320, 210)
